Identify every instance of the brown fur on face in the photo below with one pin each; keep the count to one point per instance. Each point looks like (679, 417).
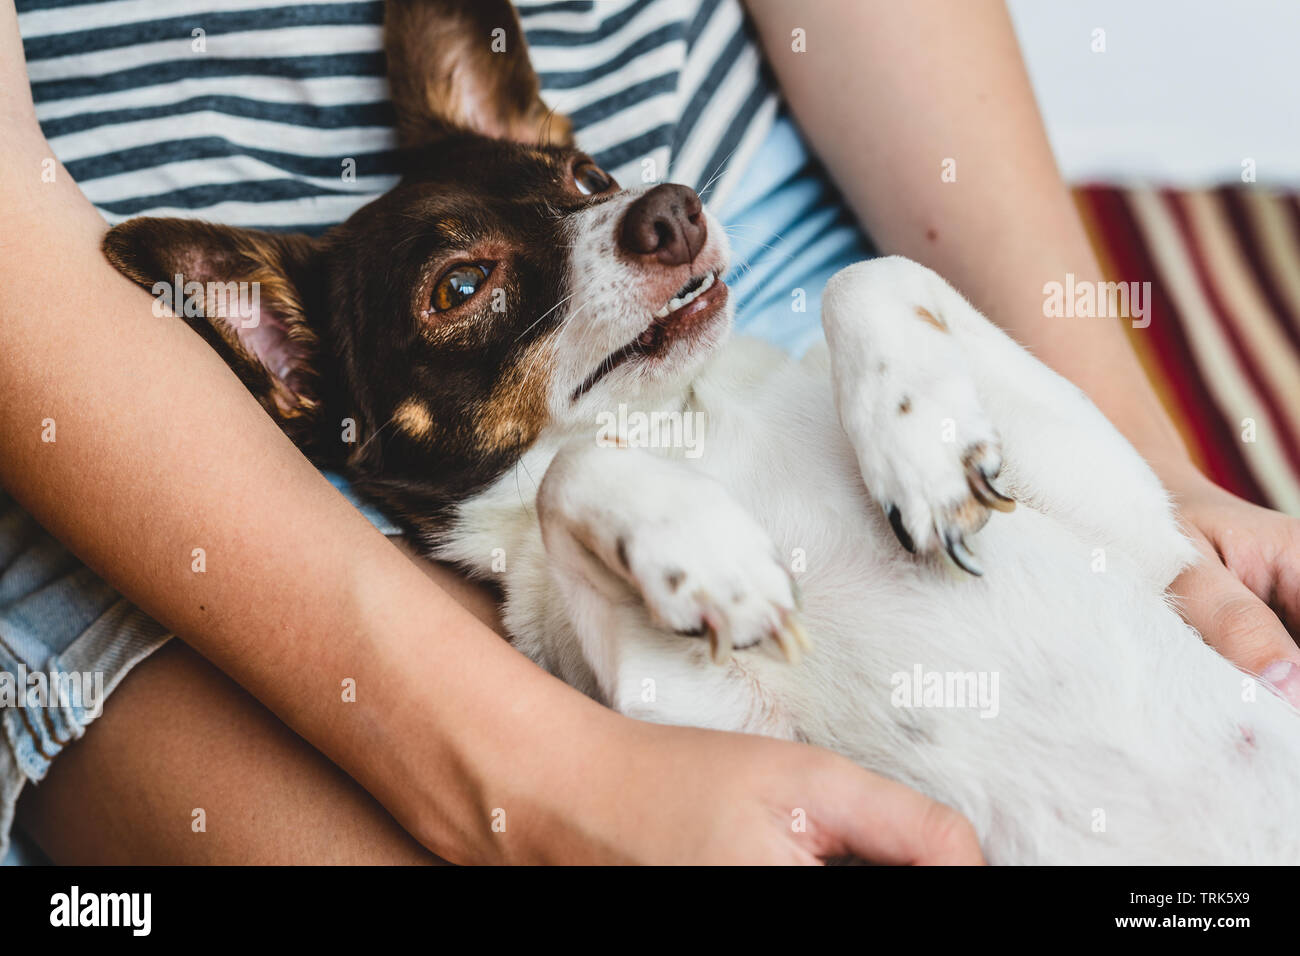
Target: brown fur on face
(443, 402)
(414, 417)
(517, 410)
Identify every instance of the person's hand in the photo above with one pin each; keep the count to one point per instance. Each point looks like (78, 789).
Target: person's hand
(1245, 591)
(676, 795)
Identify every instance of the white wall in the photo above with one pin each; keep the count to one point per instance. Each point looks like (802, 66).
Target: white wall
(1185, 90)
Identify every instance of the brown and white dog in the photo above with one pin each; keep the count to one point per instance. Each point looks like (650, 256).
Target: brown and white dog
(477, 322)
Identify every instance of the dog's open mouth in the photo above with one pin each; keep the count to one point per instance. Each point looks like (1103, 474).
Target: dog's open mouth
(681, 316)
(687, 294)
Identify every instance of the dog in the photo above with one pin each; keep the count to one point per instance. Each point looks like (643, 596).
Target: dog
(918, 547)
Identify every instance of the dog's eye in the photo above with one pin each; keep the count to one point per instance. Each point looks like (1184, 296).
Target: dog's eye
(590, 178)
(458, 284)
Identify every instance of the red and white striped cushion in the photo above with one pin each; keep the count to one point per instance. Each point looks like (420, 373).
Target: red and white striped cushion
(1223, 344)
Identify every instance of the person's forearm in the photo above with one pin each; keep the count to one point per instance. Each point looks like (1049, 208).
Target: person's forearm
(887, 93)
(158, 450)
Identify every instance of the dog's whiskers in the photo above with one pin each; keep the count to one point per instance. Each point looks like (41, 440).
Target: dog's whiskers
(373, 435)
(717, 173)
(544, 315)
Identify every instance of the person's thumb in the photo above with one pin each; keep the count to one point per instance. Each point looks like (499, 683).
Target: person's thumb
(883, 821)
(1239, 626)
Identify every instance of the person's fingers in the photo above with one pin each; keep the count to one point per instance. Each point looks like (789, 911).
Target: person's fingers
(1286, 576)
(886, 822)
(1241, 627)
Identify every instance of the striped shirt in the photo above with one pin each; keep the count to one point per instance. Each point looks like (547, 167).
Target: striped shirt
(275, 114)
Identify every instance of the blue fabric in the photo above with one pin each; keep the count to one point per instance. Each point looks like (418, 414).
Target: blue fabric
(66, 639)
(22, 852)
(790, 231)
(373, 514)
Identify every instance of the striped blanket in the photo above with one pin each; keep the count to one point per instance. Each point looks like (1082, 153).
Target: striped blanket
(1223, 341)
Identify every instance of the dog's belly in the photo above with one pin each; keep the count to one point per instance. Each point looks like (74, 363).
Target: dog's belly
(1058, 701)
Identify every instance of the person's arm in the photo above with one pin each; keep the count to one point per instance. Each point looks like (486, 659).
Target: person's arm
(886, 93)
(159, 450)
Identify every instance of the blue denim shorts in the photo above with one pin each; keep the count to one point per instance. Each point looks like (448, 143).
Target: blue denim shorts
(66, 639)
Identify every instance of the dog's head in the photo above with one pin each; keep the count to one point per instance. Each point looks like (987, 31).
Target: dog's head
(505, 285)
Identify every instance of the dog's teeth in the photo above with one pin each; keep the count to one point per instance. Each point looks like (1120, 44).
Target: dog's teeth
(676, 303)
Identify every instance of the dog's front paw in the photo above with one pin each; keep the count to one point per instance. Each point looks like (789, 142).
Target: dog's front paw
(710, 571)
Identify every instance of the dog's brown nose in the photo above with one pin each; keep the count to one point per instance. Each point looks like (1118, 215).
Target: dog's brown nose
(667, 223)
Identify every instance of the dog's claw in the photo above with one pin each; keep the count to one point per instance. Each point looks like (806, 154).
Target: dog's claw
(982, 488)
(900, 532)
(791, 637)
(800, 635)
(962, 557)
(719, 645)
(785, 641)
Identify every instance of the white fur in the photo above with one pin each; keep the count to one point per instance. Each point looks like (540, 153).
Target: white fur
(1118, 736)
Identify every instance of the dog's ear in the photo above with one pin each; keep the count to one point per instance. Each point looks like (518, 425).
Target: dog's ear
(462, 66)
(248, 293)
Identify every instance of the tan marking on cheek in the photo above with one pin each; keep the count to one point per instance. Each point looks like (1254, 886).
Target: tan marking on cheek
(414, 418)
(925, 315)
(517, 409)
